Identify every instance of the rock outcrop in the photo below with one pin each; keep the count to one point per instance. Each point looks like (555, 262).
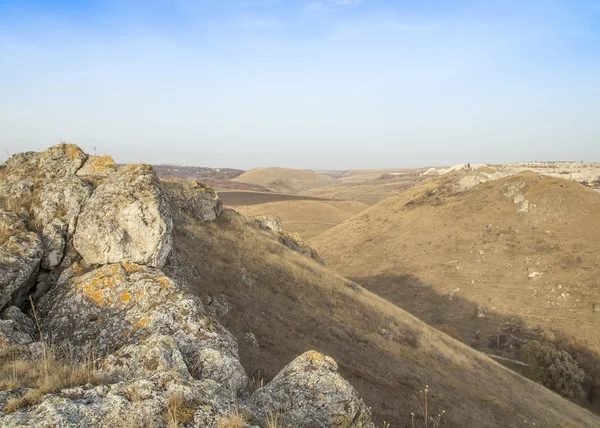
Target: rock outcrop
(293, 242)
(269, 223)
(93, 267)
(20, 258)
(309, 392)
(97, 167)
(126, 219)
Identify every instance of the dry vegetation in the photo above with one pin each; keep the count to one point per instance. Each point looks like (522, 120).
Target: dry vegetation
(292, 305)
(284, 180)
(41, 373)
(369, 192)
(307, 218)
(446, 255)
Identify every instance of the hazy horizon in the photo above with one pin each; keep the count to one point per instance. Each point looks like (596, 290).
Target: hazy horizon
(325, 85)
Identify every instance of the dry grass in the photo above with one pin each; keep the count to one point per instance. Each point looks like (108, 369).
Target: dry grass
(296, 305)
(179, 411)
(287, 180)
(55, 369)
(440, 254)
(43, 374)
(307, 218)
(233, 420)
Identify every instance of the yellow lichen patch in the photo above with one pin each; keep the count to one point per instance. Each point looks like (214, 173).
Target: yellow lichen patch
(131, 268)
(99, 164)
(100, 286)
(77, 269)
(142, 323)
(164, 281)
(125, 297)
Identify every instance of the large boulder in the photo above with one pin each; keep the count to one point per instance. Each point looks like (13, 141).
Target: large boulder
(127, 219)
(97, 167)
(15, 327)
(308, 393)
(20, 258)
(194, 199)
(18, 175)
(61, 160)
(120, 305)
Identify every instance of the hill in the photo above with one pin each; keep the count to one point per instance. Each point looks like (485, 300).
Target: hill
(497, 263)
(307, 218)
(284, 180)
(150, 305)
(369, 192)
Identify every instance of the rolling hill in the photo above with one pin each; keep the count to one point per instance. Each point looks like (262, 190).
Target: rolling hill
(261, 290)
(284, 180)
(496, 263)
(307, 218)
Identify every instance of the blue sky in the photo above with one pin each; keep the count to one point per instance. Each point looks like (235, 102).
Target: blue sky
(329, 84)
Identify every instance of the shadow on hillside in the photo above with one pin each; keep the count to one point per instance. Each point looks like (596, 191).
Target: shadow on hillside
(477, 326)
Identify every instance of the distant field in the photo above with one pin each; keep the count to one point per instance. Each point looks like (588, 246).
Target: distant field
(308, 216)
(255, 198)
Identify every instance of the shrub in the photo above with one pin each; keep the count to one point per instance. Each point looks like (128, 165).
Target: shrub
(555, 369)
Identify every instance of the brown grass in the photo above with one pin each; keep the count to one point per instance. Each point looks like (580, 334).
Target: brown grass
(44, 375)
(179, 411)
(440, 253)
(53, 370)
(297, 305)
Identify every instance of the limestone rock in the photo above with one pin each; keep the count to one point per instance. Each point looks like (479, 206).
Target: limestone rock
(20, 258)
(54, 240)
(269, 223)
(193, 198)
(11, 223)
(309, 392)
(61, 160)
(61, 198)
(18, 174)
(97, 167)
(126, 220)
(15, 327)
(120, 305)
(293, 242)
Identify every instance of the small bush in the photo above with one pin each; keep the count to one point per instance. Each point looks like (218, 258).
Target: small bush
(555, 369)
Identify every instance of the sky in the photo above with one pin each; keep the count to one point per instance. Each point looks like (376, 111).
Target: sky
(323, 84)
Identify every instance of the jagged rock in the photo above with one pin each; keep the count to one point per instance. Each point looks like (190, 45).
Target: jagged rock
(309, 392)
(16, 327)
(20, 258)
(61, 160)
(293, 242)
(54, 240)
(126, 220)
(19, 173)
(97, 167)
(217, 306)
(269, 223)
(194, 198)
(11, 223)
(480, 312)
(250, 339)
(120, 305)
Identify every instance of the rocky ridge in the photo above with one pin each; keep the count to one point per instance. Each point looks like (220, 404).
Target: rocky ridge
(92, 244)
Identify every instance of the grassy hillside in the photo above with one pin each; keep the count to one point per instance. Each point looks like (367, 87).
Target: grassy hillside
(284, 180)
(292, 304)
(308, 218)
(523, 252)
(369, 192)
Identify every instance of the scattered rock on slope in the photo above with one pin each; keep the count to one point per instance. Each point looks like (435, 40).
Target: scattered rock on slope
(126, 219)
(309, 392)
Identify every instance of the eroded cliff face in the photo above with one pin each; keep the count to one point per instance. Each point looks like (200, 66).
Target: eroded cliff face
(92, 244)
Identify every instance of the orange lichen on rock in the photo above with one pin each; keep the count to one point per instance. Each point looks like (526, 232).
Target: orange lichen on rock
(100, 286)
